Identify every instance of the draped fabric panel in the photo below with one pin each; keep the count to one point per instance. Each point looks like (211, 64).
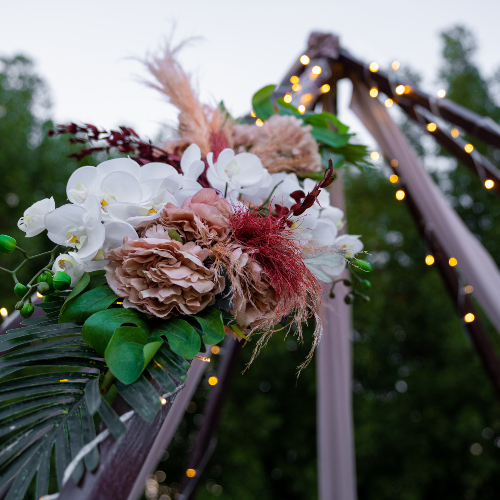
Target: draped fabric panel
(335, 434)
(475, 264)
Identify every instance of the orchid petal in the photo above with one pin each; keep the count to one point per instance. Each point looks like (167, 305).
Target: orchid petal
(122, 186)
(84, 176)
(191, 155)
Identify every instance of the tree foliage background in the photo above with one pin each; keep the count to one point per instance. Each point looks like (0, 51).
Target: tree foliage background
(427, 421)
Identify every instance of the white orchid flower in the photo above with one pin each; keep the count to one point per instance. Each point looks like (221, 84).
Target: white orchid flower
(236, 174)
(70, 264)
(77, 226)
(32, 222)
(110, 182)
(334, 214)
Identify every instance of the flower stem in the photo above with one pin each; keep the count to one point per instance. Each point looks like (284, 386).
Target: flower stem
(107, 382)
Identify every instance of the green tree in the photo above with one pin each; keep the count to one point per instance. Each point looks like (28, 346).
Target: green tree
(33, 166)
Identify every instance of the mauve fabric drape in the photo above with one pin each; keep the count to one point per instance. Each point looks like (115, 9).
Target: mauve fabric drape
(475, 264)
(335, 434)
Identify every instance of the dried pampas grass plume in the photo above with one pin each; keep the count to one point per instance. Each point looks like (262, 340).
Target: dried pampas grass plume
(198, 123)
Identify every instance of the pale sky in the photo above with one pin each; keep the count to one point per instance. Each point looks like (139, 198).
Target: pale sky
(86, 50)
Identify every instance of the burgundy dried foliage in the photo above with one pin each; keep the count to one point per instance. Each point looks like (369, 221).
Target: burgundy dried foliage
(125, 140)
(304, 201)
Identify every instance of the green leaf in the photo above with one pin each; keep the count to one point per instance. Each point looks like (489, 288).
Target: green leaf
(210, 320)
(325, 120)
(77, 290)
(128, 353)
(261, 102)
(182, 337)
(93, 396)
(329, 137)
(82, 307)
(150, 350)
(100, 327)
(142, 397)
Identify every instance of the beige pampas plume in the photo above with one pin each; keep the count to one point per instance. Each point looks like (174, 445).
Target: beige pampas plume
(198, 122)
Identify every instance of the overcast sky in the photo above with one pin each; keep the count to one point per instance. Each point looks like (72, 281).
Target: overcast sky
(86, 50)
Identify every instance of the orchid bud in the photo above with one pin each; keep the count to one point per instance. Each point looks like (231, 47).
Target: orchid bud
(45, 277)
(61, 280)
(19, 305)
(20, 290)
(365, 284)
(43, 288)
(7, 244)
(27, 311)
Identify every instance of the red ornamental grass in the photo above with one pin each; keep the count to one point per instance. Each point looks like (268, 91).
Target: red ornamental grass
(280, 254)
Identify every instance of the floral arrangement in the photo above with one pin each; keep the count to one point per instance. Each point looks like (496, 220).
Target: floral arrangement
(225, 230)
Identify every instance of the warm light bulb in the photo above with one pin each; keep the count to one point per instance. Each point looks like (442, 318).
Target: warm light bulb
(393, 178)
(374, 92)
(373, 67)
(395, 65)
(4, 312)
(429, 260)
(287, 98)
(469, 289)
(252, 114)
(163, 401)
(469, 148)
(296, 87)
(213, 380)
(306, 98)
(325, 88)
(469, 318)
(400, 89)
(294, 79)
(441, 93)
(39, 295)
(455, 133)
(316, 70)
(304, 59)
(215, 349)
(431, 127)
(388, 103)
(400, 195)
(190, 473)
(488, 183)
(394, 163)
(453, 262)
(301, 109)
(374, 155)
(259, 122)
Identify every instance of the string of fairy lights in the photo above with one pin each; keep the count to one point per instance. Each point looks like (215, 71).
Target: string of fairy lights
(431, 127)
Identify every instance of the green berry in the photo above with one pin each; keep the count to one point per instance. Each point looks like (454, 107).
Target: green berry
(27, 311)
(43, 288)
(7, 244)
(20, 290)
(61, 280)
(362, 264)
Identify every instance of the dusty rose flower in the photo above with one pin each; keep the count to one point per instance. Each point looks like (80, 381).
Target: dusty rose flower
(161, 276)
(254, 299)
(282, 144)
(202, 218)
